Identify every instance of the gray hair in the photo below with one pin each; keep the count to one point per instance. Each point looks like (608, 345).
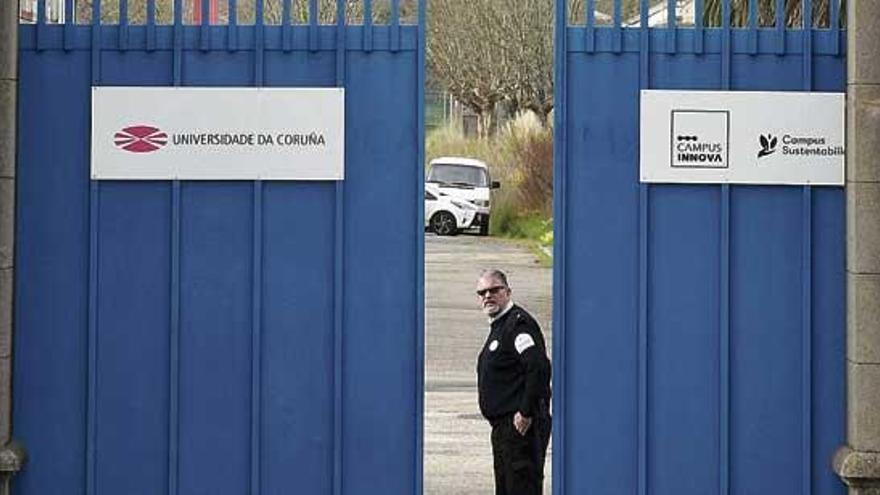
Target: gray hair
(496, 274)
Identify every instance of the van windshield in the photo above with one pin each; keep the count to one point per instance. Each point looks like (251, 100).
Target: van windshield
(461, 175)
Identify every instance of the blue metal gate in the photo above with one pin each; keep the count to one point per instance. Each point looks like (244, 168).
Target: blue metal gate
(220, 337)
(699, 330)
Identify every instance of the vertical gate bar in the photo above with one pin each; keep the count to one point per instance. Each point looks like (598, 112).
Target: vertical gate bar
(338, 268)
(560, 171)
(92, 343)
(807, 18)
(232, 26)
(780, 27)
(420, 257)
(807, 34)
(395, 26)
(92, 423)
(257, 277)
(725, 44)
(753, 27)
(204, 26)
(618, 32)
(368, 25)
(835, 27)
(642, 358)
(286, 29)
(174, 345)
(807, 340)
(698, 26)
(724, 347)
(123, 25)
(644, 198)
(178, 42)
(257, 338)
(151, 25)
(41, 24)
(69, 21)
(590, 28)
(313, 25)
(807, 279)
(671, 26)
(259, 45)
(340, 42)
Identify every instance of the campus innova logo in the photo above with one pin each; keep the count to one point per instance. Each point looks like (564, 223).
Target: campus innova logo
(140, 138)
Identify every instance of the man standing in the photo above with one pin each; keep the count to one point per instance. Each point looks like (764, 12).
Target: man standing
(513, 377)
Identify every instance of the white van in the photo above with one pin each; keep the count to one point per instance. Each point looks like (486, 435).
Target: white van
(467, 179)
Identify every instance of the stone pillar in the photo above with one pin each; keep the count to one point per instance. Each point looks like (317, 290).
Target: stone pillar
(858, 463)
(12, 456)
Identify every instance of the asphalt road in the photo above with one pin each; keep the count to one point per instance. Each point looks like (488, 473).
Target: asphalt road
(458, 456)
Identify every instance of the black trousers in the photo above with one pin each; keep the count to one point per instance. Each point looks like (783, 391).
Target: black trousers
(519, 459)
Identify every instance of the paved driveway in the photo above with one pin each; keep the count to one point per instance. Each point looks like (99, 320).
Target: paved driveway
(458, 457)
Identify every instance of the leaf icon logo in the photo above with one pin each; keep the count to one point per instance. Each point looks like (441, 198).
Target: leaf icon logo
(768, 145)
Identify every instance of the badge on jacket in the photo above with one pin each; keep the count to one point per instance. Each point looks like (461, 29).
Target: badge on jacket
(523, 341)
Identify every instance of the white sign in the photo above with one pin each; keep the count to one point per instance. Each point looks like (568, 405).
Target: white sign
(742, 137)
(218, 133)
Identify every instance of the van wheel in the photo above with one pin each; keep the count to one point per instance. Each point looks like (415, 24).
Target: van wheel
(443, 223)
(484, 226)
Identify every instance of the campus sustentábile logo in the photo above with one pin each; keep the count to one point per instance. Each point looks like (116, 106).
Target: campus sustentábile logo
(768, 145)
(140, 139)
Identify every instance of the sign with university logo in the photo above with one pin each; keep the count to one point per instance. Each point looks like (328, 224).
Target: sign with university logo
(718, 137)
(218, 133)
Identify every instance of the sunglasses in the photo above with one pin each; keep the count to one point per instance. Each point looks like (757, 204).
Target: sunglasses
(490, 291)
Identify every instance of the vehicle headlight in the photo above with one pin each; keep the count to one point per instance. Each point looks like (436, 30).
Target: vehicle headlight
(480, 202)
(463, 205)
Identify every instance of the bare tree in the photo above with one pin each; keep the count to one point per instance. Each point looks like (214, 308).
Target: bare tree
(529, 25)
(485, 52)
(793, 14)
(604, 10)
(465, 56)
(273, 11)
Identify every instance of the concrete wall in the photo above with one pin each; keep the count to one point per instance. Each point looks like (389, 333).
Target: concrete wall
(11, 455)
(858, 463)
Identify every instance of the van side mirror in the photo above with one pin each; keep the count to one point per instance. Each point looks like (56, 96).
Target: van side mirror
(496, 184)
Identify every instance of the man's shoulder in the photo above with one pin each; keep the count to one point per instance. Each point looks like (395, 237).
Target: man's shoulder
(521, 318)
(520, 313)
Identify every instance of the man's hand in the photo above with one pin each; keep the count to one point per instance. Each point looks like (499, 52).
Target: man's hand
(521, 423)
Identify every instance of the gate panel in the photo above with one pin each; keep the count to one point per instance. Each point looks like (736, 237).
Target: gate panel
(378, 437)
(684, 343)
(52, 198)
(765, 339)
(600, 381)
(215, 307)
(297, 305)
(133, 404)
(827, 366)
(220, 337)
(699, 330)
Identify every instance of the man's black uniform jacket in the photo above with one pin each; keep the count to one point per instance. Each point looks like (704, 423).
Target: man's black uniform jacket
(513, 372)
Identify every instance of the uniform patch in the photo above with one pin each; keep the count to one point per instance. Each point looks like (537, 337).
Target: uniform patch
(523, 341)
(493, 345)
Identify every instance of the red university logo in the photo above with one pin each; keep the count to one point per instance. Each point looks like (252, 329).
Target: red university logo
(140, 139)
